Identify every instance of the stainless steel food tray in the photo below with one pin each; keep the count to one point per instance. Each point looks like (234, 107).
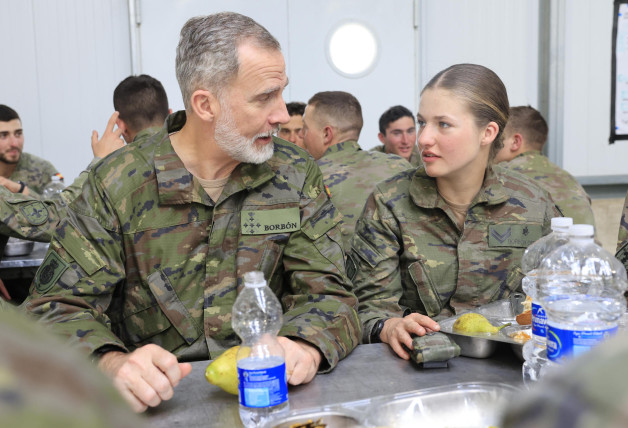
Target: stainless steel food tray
(18, 247)
(477, 404)
(497, 313)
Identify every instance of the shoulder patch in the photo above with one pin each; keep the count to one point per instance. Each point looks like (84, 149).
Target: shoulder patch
(35, 212)
(49, 272)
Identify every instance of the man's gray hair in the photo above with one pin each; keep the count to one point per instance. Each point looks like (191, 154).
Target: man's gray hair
(207, 54)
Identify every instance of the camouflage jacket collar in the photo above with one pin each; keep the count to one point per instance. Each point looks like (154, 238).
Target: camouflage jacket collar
(345, 146)
(176, 185)
(425, 195)
(144, 133)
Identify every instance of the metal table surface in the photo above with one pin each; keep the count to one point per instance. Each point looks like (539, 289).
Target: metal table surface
(370, 371)
(34, 259)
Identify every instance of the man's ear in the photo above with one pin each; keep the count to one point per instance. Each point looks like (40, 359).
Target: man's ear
(328, 135)
(124, 129)
(517, 142)
(205, 105)
(382, 138)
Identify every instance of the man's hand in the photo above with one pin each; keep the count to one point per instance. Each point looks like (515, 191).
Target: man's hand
(111, 139)
(146, 376)
(397, 331)
(13, 186)
(302, 360)
(4, 292)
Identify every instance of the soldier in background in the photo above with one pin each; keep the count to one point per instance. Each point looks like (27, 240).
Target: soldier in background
(291, 131)
(331, 127)
(450, 235)
(622, 236)
(524, 138)
(20, 172)
(397, 132)
(147, 266)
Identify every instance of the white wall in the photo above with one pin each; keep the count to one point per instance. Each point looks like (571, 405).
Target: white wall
(63, 58)
(587, 92)
(61, 61)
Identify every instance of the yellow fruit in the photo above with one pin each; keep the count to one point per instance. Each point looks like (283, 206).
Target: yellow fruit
(223, 371)
(475, 323)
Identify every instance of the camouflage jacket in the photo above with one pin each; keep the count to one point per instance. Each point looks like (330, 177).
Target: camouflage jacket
(35, 172)
(408, 255)
(351, 174)
(34, 218)
(415, 157)
(566, 192)
(589, 391)
(147, 257)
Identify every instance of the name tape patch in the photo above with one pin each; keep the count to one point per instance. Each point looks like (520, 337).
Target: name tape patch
(261, 222)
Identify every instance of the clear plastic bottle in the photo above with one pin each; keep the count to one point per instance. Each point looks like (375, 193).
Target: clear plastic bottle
(534, 350)
(55, 187)
(257, 317)
(581, 287)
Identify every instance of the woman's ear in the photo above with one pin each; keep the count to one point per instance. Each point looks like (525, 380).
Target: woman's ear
(490, 133)
(205, 105)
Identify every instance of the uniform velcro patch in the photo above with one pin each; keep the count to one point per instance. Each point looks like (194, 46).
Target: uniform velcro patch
(49, 272)
(36, 212)
(262, 222)
(513, 235)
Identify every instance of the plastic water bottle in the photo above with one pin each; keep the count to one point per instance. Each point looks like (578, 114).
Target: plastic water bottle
(534, 352)
(55, 187)
(582, 290)
(257, 317)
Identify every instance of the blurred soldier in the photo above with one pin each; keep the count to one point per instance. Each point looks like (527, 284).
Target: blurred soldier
(524, 137)
(43, 383)
(590, 391)
(19, 171)
(149, 262)
(331, 127)
(397, 132)
(291, 131)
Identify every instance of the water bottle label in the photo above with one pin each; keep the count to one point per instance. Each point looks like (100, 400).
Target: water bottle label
(263, 387)
(563, 344)
(539, 320)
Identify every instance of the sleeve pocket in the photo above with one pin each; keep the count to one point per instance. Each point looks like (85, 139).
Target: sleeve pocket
(85, 254)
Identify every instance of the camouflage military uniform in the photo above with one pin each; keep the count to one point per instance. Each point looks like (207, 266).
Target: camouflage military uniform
(29, 218)
(566, 192)
(35, 172)
(351, 174)
(410, 256)
(147, 257)
(45, 384)
(415, 157)
(590, 391)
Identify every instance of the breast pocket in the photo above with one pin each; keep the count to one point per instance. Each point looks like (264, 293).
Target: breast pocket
(424, 296)
(165, 322)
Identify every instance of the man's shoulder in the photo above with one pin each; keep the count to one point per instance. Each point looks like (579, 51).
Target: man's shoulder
(538, 167)
(30, 160)
(380, 148)
(288, 155)
(133, 163)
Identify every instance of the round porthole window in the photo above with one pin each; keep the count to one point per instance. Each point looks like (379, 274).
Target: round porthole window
(352, 49)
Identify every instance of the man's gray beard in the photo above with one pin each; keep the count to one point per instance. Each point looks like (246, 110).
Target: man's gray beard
(239, 147)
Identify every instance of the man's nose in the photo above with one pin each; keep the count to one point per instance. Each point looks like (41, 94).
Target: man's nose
(293, 136)
(279, 114)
